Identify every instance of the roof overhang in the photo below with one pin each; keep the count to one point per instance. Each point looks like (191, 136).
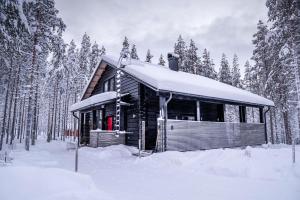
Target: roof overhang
(95, 100)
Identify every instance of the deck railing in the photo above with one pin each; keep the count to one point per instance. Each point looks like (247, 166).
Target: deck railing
(185, 135)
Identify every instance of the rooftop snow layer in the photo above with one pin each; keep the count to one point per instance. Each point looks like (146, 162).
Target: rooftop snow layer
(164, 79)
(96, 99)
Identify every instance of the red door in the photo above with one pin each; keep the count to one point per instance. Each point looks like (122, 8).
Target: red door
(110, 123)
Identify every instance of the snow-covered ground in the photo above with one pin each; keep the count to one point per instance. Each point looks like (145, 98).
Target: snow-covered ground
(46, 172)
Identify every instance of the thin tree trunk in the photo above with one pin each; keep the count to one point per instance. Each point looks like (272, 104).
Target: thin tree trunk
(49, 129)
(16, 94)
(9, 113)
(4, 113)
(271, 126)
(287, 128)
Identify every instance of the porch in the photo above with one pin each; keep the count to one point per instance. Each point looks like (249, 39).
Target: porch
(187, 124)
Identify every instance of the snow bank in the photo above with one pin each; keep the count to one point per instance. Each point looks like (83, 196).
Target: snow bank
(259, 173)
(32, 183)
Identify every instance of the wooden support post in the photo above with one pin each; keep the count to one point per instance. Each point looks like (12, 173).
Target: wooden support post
(162, 114)
(198, 111)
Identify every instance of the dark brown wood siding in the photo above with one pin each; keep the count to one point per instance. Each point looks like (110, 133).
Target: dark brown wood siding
(149, 113)
(131, 86)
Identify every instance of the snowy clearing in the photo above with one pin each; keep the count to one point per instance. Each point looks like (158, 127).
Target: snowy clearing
(46, 172)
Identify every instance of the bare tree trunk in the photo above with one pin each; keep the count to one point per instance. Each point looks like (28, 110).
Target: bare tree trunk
(29, 108)
(9, 113)
(49, 129)
(20, 117)
(4, 113)
(59, 115)
(34, 125)
(271, 126)
(16, 94)
(55, 109)
(287, 128)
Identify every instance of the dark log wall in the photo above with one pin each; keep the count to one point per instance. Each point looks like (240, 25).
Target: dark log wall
(130, 122)
(149, 113)
(129, 85)
(194, 135)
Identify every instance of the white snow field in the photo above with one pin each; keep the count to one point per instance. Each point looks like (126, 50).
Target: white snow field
(46, 172)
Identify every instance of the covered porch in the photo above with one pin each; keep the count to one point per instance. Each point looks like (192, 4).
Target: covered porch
(97, 120)
(190, 123)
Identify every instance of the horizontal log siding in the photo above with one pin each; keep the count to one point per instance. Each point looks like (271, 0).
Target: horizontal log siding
(105, 138)
(195, 135)
(129, 85)
(149, 112)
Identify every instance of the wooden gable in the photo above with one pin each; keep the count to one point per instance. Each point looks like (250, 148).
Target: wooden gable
(94, 80)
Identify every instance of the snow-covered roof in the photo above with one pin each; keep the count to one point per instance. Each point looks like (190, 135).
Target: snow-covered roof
(93, 100)
(161, 78)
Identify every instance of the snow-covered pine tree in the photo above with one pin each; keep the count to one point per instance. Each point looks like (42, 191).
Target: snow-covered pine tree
(235, 73)
(94, 58)
(84, 63)
(261, 58)
(161, 60)
(13, 32)
(224, 72)
(149, 56)
(103, 50)
(133, 53)
(44, 23)
(192, 61)
(207, 67)
(125, 44)
(180, 50)
(247, 76)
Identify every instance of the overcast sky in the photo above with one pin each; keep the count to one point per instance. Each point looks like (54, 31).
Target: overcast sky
(218, 25)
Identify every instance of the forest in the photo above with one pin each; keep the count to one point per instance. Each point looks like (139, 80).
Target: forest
(41, 75)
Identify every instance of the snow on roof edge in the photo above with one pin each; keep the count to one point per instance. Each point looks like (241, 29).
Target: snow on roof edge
(98, 98)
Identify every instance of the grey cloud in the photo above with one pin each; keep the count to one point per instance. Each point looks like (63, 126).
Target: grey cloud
(221, 26)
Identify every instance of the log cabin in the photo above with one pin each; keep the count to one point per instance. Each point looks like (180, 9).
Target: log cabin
(159, 108)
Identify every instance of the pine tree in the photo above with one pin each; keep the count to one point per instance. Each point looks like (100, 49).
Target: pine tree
(207, 67)
(149, 56)
(224, 72)
(161, 60)
(133, 53)
(84, 62)
(180, 50)
(102, 51)
(236, 75)
(94, 58)
(192, 61)
(125, 47)
(247, 81)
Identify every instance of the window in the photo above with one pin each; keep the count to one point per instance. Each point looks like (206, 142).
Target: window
(109, 85)
(106, 84)
(112, 84)
(211, 112)
(242, 111)
(100, 119)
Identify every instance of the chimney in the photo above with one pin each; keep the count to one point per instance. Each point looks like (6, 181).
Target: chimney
(173, 61)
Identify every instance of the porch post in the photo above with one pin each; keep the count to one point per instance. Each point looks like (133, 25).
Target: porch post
(198, 110)
(162, 115)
